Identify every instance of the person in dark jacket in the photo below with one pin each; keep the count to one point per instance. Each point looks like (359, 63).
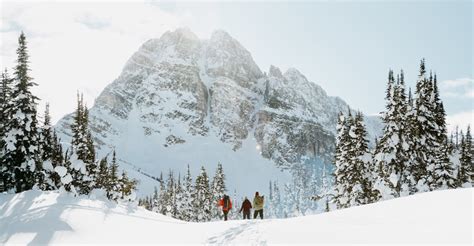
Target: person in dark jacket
(226, 205)
(246, 206)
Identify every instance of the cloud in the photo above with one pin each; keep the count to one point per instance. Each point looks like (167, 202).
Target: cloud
(461, 88)
(462, 120)
(78, 46)
(462, 82)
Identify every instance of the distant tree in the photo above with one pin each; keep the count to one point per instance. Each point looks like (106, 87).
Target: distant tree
(188, 197)
(218, 190)
(102, 174)
(113, 188)
(170, 203)
(202, 197)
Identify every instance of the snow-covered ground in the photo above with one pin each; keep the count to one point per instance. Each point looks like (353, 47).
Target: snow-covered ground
(34, 217)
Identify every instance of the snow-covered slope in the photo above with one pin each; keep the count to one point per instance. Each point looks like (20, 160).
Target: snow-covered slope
(181, 100)
(33, 217)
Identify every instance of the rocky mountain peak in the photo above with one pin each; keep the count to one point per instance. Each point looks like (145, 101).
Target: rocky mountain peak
(178, 91)
(274, 72)
(294, 74)
(180, 34)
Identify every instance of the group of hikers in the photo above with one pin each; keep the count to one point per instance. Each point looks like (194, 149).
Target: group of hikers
(257, 206)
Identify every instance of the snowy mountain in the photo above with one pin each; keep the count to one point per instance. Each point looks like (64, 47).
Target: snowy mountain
(37, 218)
(181, 100)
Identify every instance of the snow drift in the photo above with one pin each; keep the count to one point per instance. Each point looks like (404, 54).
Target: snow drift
(35, 217)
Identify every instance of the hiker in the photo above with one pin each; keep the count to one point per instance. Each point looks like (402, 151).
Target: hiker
(226, 205)
(246, 206)
(258, 206)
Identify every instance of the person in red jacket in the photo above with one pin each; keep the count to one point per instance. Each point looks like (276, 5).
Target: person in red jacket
(246, 206)
(226, 205)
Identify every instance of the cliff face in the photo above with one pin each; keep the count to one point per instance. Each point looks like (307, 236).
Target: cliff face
(178, 91)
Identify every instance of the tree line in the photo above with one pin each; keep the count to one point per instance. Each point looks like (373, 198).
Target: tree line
(31, 154)
(414, 153)
(187, 199)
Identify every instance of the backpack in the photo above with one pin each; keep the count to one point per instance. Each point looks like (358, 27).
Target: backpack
(226, 202)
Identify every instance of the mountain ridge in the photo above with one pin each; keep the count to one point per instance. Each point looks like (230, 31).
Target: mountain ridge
(178, 90)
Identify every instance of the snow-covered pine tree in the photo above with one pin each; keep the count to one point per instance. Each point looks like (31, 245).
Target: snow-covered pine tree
(78, 148)
(444, 176)
(424, 133)
(47, 145)
(90, 153)
(202, 197)
(362, 162)
(127, 187)
(351, 155)
(276, 203)
(170, 203)
(83, 147)
(342, 183)
(404, 154)
(154, 200)
(21, 150)
(301, 193)
(113, 188)
(179, 198)
(187, 210)
(325, 190)
(218, 190)
(409, 183)
(390, 154)
(6, 87)
(289, 205)
(163, 197)
(102, 174)
(57, 159)
(465, 167)
(443, 173)
(270, 211)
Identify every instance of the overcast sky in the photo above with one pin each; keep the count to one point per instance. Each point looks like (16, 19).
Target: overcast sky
(346, 47)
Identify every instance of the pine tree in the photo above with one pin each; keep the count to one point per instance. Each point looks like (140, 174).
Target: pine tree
(276, 202)
(163, 197)
(218, 191)
(270, 211)
(343, 184)
(443, 170)
(113, 188)
(57, 159)
(362, 162)
(202, 197)
(127, 187)
(465, 168)
(83, 146)
(21, 150)
(154, 200)
(170, 203)
(187, 199)
(390, 156)
(425, 133)
(47, 145)
(6, 87)
(179, 193)
(102, 174)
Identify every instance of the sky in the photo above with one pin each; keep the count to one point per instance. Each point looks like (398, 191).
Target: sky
(347, 47)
